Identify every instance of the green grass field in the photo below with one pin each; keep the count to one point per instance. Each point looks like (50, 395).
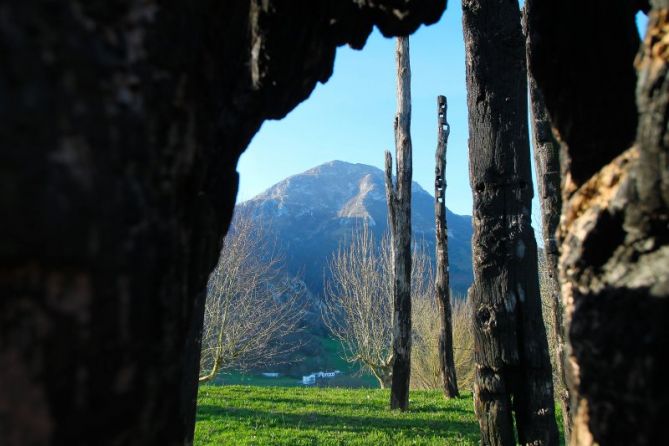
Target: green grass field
(252, 415)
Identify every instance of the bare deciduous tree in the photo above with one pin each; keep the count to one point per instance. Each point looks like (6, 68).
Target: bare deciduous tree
(358, 304)
(463, 342)
(253, 309)
(426, 363)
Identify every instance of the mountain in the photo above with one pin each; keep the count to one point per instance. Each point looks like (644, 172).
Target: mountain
(312, 213)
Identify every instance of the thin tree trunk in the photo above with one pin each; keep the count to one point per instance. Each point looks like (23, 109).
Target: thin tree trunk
(511, 351)
(399, 213)
(442, 288)
(547, 165)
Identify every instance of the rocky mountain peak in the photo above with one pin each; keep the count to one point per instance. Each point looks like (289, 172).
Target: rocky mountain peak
(314, 212)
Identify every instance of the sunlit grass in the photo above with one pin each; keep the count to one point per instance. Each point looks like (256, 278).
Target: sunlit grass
(249, 415)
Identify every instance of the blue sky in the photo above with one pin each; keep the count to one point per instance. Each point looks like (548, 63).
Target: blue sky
(350, 117)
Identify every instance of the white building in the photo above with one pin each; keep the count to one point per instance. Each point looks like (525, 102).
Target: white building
(311, 379)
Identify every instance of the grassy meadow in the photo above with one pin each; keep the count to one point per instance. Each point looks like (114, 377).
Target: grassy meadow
(254, 415)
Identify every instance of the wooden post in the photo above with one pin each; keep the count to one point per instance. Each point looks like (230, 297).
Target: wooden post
(513, 371)
(399, 214)
(442, 288)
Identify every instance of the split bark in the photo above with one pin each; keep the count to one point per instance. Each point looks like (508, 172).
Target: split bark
(399, 214)
(442, 287)
(547, 165)
(511, 351)
(614, 235)
(121, 126)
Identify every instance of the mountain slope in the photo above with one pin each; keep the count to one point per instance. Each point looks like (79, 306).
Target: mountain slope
(312, 213)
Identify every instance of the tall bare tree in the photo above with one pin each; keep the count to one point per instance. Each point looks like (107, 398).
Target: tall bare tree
(253, 309)
(398, 197)
(547, 166)
(442, 289)
(513, 373)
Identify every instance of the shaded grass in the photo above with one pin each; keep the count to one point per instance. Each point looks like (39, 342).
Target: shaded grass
(329, 359)
(237, 379)
(248, 415)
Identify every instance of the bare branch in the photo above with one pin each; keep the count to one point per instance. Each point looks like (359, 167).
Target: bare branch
(252, 308)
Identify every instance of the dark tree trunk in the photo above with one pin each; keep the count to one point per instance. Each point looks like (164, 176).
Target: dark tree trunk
(399, 214)
(581, 87)
(121, 126)
(511, 351)
(547, 166)
(614, 232)
(442, 288)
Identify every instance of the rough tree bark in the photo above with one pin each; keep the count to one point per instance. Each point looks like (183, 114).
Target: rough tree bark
(614, 234)
(122, 123)
(442, 288)
(547, 166)
(511, 351)
(398, 197)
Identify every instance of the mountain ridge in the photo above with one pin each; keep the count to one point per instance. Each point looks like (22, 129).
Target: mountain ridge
(312, 213)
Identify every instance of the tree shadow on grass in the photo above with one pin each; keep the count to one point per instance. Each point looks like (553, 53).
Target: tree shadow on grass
(391, 425)
(365, 406)
(436, 408)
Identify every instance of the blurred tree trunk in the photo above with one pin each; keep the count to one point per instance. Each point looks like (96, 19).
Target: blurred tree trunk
(511, 351)
(547, 166)
(614, 234)
(399, 214)
(442, 288)
(121, 126)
